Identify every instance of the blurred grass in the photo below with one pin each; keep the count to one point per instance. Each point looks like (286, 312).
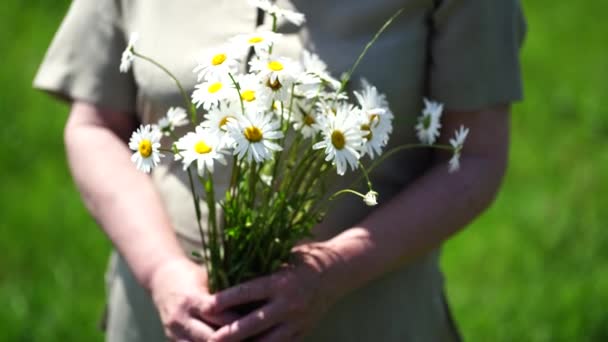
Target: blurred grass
(533, 268)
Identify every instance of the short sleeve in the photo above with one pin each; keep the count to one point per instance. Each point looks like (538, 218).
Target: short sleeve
(83, 60)
(474, 53)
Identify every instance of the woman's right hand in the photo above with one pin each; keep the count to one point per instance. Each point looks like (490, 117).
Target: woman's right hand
(180, 293)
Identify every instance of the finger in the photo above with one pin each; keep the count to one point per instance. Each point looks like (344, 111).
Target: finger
(191, 330)
(252, 324)
(218, 319)
(201, 307)
(251, 291)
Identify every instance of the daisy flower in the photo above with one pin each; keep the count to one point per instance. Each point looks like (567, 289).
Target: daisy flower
(314, 65)
(251, 91)
(428, 124)
(376, 119)
(260, 41)
(176, 117)
(342, 138)
(208, 94)
(371, 198)
(305, 121)
(217, 62)
(217, 118)
(275, 70)
(457, 143)
(294, 17)
(145, 141)
(126, 60)
(201, 146)
(308, 85)
(277, 76)
(253, 135)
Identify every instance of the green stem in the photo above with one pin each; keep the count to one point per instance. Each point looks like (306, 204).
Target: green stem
(366, 175)
(389, 153)
(367, 47)
(274, 29)
(237, 86)
(197, 209)
(344, 191)
(189, 104)
(252, 180)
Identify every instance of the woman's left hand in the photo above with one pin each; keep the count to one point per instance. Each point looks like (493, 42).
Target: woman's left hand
(294, 298)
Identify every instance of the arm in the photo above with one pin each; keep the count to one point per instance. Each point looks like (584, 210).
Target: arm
(436, 205)
(119, 197)
(129, 210)
(418, 219)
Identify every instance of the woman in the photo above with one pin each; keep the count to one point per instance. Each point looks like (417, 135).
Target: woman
(369, 275)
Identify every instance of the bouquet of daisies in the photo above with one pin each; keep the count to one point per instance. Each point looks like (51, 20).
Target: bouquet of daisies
(282, 127)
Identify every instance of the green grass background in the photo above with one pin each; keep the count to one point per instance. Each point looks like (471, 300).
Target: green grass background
(532, 268)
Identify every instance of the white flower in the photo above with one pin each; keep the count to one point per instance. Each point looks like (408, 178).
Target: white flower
(342, 138)
(261, 41)
(209, 93)
(253, 135)
(277, 75)
(176, 117)
(127, 57)
(217, 62)
(308, 86)
(145, 141)
(252, 92)
(217, 119)
(273, 70)
(370, 198)
(428, 124)
(305, 121)
(314, 65)
(377, 119)
(295, 17)
(457, 143)
(201, 146)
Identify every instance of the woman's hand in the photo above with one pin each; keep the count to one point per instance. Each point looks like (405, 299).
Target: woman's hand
(180, 293)
(294, 298)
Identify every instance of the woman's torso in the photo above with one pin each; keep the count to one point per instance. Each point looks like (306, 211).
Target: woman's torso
(404, 305)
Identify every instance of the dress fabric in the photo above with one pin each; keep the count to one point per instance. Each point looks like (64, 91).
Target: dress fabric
(463, 53)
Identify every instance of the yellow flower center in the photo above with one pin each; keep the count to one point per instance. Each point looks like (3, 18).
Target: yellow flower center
(248, 95)
(224, 121)
(309, 120)
(145, 148)
(338, 139)
(369, 135)
(255, 40)
(253, 134)
(374, 119)
(215, 87)
(275, 86)
(201, 147)
(218, 59)
(275, 66)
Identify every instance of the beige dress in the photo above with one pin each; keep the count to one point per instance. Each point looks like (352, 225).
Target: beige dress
(463, 53)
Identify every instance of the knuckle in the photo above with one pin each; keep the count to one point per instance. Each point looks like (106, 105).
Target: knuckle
(174, 321)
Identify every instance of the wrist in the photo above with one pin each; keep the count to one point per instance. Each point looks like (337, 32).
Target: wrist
(157, 272)
(346, 257)
(329, 266)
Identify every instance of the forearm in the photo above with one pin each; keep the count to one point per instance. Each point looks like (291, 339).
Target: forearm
(121, 199)
(427, 212)
(415, 221)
